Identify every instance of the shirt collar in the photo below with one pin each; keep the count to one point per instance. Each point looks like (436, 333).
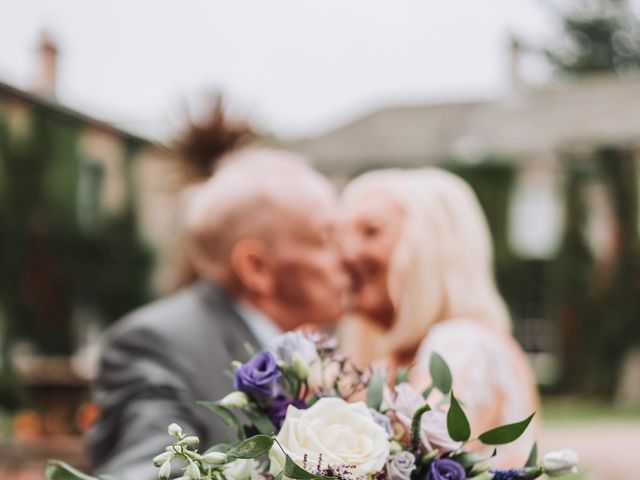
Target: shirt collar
(261, 326)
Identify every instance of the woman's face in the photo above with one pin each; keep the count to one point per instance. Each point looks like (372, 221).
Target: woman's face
(369, 231)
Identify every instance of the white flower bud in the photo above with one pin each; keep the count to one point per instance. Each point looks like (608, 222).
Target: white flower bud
(282, 365)
(214, 458)
(165, 470)
(190, 441)
(192, 471)
(561, 462)
(162, 458)
(235, 400)
(175, 430)
(236, 364)
(394, 447)
(299, 366)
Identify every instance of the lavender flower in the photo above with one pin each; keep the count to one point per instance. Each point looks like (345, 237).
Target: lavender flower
(528, 473)
(400, 466)
(278, 410)
(382, 420)
(445, 469)
(258, 376)
(295, 342)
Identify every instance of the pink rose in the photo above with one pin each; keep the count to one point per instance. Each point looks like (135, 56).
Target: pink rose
(434, 434)
(403, 402)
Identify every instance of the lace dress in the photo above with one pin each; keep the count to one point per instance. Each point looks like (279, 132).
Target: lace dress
(492, 379)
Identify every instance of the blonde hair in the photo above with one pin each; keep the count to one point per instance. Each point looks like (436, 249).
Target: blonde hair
(442, 265)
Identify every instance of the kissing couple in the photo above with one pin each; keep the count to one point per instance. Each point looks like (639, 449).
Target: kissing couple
(400, 264)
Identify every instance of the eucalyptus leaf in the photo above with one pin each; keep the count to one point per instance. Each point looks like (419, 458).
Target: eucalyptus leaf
(505, 433)
(374, 391)
(252, 447)
(440, 373)
(457, 423)
(532, 461)
(226, 415)
(56, 470)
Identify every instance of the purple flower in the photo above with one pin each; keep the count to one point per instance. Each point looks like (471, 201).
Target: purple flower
(258, 376)
(528, 473)
(445, 469)
(278, 410)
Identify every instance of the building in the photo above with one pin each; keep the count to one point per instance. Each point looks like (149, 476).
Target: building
(86, 214)
(555, 167)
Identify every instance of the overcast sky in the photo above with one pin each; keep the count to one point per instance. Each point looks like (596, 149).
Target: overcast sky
(297, 67)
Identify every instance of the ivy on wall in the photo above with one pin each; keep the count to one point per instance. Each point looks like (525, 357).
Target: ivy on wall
(50, 267)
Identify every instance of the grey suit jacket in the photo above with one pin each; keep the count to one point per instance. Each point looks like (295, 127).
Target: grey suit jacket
(155, 365)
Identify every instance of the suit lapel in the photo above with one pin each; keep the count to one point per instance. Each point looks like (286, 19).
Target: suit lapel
(234, 329)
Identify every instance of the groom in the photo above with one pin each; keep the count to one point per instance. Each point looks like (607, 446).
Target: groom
(261, 238)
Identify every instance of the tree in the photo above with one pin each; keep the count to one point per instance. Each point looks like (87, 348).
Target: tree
(599, 36)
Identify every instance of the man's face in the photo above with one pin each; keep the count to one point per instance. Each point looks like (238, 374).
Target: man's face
(310, 282)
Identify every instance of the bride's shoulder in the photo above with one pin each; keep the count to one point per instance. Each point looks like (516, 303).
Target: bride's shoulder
(461, 329)
(461, 337)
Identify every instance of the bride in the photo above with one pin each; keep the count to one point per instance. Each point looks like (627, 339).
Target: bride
(419, 253)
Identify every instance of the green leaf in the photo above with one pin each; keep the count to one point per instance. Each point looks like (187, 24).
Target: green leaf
(440, 373)
(292, 470)
(260, 421)
(56, 470)
(280, 475)
(374, 391)
(219, 447)
(402, 375)
(427, 391)
(469, 459)
(250, 349)
(226, 415)
(532, 461)
(253, 447)
(505, 433)
(457, 423)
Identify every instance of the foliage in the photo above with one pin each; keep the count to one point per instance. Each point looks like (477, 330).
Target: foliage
(417, 459)
(51, 265)
(598, 36)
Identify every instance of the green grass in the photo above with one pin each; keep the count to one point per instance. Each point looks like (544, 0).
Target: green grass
(572, 409)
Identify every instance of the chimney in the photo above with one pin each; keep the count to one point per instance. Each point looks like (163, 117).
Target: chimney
(47, 68)
(517, 84)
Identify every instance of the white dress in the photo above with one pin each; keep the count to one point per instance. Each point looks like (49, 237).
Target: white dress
(491, 378)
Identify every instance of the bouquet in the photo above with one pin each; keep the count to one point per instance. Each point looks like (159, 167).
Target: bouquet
(303, 411)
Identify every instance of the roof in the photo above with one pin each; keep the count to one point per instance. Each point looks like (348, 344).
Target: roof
(537, 123)
(68, 113)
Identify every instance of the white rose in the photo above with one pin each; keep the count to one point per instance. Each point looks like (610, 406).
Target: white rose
(242, 469)
(343, 433)
(561, 462)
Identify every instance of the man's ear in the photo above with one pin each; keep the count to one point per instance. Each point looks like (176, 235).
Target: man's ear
(253, 267)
